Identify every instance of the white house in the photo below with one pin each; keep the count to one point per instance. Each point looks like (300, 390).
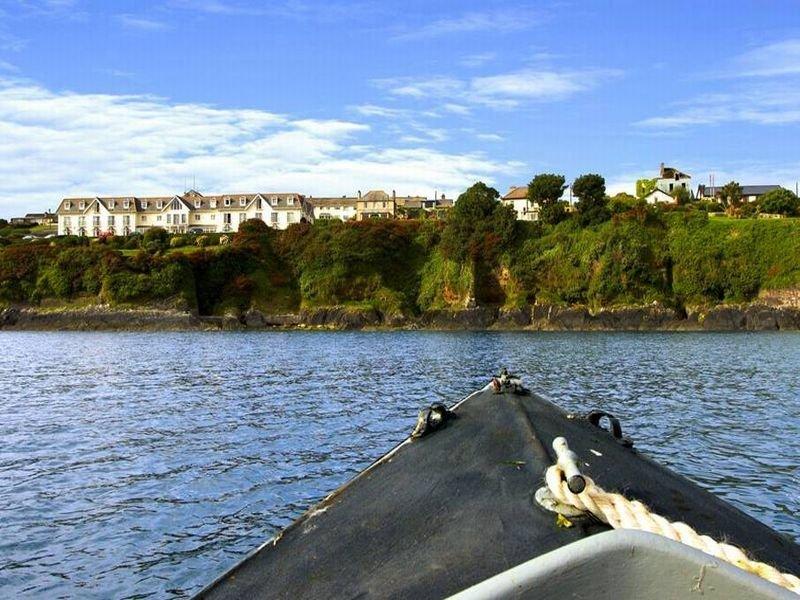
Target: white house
(517, 198)
(659, 196)
(189, 212)
(750, 193)
(343, 208)
(670, 178)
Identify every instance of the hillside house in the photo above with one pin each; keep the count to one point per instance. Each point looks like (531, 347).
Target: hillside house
(189, 212)
(670, 178)
(517, 198)
(750, 193)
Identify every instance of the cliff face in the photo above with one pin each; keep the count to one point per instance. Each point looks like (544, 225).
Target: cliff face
(746, 317)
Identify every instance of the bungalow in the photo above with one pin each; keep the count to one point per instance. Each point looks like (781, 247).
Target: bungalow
(189, 212)
(750, 193)
(659, 196)
(517, 198)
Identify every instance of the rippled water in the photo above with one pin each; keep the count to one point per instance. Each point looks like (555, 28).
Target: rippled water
(143, 464)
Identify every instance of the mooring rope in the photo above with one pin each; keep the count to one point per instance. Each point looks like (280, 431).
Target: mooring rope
(621, 513)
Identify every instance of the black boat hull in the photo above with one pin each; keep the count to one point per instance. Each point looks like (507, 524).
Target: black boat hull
(443, 512)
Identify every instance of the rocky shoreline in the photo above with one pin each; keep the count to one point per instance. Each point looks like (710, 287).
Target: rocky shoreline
(750, 317)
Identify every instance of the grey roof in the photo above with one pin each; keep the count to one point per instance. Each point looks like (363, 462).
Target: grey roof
(706, 191)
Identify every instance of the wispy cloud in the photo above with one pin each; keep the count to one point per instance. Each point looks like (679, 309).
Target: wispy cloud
(489, 137)
(383, 112)
(8, 67)
(778, 58)
(142, 23)
(505, 90)
(765, 105)
(478, 60)
(60, 143)
(496, 21)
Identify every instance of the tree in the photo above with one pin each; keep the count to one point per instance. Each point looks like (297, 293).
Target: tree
(155, 239)
(478, 226)
(591, 189)
(730, 196)
(682, 196)
(545, 190)
(644, 187)
(780, 201)
(623, 202)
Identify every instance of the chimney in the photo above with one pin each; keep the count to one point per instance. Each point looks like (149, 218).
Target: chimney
(359, 194)
(661, 170)
(394, 196)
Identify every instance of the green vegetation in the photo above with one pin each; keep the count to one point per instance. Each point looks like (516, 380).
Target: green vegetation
(612, 251)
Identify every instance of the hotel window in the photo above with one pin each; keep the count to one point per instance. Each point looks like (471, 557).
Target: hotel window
(226, 218)
(289, 217)
(197, 204)
(213, 204)
(242, 201)
(197, 217)
(144, 218)
(110, 220)
(82, 205)
(67, 222)
(274, 201)
(213, 217)
(274, 217)
(158, 218)
(126, 204)
(81, 222)
(159, 204)
(242, 217)
(183, 218)
(227, 201)
(111, 205)
(95, 222)
(126, 220)
(144, 204)
(258, 216)
(169, 219)
(67, 205)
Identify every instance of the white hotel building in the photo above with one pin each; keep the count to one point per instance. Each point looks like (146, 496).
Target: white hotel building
(189, 212)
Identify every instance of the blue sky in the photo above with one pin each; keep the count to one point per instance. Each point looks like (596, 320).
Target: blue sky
(140, 97)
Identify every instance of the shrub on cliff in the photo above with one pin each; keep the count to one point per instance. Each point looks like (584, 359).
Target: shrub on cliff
(479, 227)
(592, 204)
(780, 202)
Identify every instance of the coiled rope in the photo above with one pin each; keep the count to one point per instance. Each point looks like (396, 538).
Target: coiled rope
(621, 513)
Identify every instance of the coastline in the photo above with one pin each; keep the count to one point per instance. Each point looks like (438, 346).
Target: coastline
(743, 317)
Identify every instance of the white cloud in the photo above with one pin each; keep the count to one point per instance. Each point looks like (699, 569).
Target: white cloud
(142, 23)
(772, 104)
(498, 21)
(779, 58)
(384, 112)
(489, 137)
(58, 144)
(477, 60)
(458, 109)
(505, 90)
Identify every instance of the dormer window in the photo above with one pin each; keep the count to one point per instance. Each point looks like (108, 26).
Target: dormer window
(82, 205)
(213, 204)
(197, 203)
(159, 204)
(126, 204)
(111, 204)
(144, 203)
(274, 201)
(242, 201)
(227, 201)
(67, 204)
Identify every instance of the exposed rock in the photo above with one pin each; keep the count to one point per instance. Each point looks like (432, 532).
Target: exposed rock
(516, 318)
(481, 317)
